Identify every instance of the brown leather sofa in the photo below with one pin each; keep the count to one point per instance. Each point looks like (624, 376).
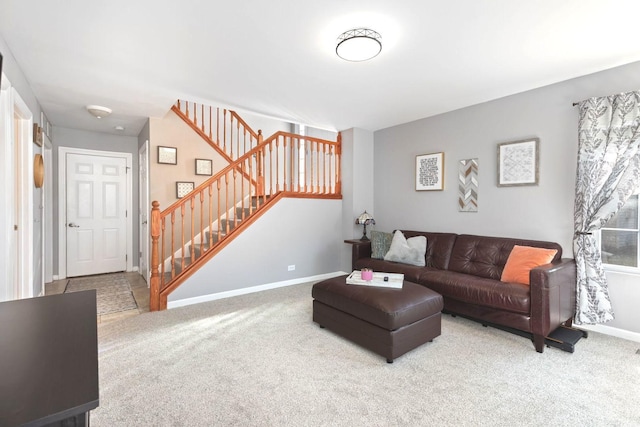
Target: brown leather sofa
(466, 271)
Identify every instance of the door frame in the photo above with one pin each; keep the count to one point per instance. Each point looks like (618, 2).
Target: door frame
(16, 160)
(47, 222)
(62, 203)
(24, 153)
(144, 240)
(6, 175)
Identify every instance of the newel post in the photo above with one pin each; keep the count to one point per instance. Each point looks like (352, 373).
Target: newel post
(260, 172)
(154, 296)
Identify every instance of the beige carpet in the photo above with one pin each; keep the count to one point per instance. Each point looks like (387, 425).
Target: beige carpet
(259, 360)
(113, 291)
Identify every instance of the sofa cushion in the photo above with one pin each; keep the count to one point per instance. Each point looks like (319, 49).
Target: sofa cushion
(522, 259)
(380, 244)
(439, 247)
(492, 293)
(407, 251)
(486, 256)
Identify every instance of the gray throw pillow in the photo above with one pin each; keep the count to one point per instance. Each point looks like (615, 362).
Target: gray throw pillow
(380, 244)
(407, 251)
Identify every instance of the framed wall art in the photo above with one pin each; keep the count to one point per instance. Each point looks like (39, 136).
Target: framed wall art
(37, 135)
(183, 188)
(167, 155)
(468, 185)
(204, 167)
(430, 172)
(518, 163)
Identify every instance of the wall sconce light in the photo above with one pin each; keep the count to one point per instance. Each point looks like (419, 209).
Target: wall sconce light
(365, 219)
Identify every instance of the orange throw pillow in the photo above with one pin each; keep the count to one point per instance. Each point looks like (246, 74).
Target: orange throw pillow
(522, 259)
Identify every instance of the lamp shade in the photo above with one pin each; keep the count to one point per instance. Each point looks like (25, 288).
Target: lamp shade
(365, 218)
(360, 44)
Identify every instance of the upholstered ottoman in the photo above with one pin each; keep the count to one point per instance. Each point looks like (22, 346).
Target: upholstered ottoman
(387, 321)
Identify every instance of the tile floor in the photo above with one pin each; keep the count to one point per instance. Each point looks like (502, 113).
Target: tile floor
(138, 288)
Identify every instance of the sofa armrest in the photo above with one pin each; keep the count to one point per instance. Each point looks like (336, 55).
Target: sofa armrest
(359, 249)
(553, 295)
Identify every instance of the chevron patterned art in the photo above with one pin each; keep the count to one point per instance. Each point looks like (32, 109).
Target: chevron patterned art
(468, 185)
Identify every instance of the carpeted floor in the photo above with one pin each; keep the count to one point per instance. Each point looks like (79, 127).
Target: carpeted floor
(113, 291)
(259, 360)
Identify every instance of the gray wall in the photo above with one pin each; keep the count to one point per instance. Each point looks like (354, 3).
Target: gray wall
(74, 138)
(357, 185)
(145, 134)
(542, 212)
(13, 72)
(301, 232)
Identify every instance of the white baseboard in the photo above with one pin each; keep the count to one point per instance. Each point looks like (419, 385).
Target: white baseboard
(250, 290)
(614, 332)
(55, 277)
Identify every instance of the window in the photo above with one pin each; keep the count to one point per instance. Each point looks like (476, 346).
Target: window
(619, 237)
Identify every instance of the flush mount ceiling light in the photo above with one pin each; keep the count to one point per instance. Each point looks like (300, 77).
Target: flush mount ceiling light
(98, 111)
(360, 44)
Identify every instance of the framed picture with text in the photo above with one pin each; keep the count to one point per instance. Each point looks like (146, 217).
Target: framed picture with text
(430, 172)
(518, 163)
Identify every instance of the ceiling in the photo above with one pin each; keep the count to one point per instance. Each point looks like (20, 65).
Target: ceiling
(277, 58)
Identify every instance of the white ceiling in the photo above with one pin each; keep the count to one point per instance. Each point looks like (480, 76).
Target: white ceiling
(277, 57)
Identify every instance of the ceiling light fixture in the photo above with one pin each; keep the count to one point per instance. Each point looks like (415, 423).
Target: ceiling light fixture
(359, 44)
(98, 111)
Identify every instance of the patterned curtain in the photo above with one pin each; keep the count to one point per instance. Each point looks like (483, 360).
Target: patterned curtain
(608, 173)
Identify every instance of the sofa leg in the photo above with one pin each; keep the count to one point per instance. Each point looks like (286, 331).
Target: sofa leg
(538, 342)
(321, 327)
(389, 360)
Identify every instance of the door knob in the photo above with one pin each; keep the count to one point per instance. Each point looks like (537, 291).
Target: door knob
(144, 222)
(73, 225)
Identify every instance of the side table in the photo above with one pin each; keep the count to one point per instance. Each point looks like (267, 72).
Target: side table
(357, 248)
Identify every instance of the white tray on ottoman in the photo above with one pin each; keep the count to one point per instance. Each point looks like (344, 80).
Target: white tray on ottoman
(394, 280)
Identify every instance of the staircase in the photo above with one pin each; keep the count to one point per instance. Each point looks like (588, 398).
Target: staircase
(192, 230)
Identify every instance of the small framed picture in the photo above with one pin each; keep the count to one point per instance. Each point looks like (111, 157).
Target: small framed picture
(37, 135)
(204, 167)
(168, 155)
(430, 172)
(518, 163)
(183, 188)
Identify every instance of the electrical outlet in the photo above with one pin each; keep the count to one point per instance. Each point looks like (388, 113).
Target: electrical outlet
(291, 268)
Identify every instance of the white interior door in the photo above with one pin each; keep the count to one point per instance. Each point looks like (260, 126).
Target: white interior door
(96, 217)
(143, 159)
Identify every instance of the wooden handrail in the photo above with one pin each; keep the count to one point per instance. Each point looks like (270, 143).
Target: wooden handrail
(227, 135)
(205, 220)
